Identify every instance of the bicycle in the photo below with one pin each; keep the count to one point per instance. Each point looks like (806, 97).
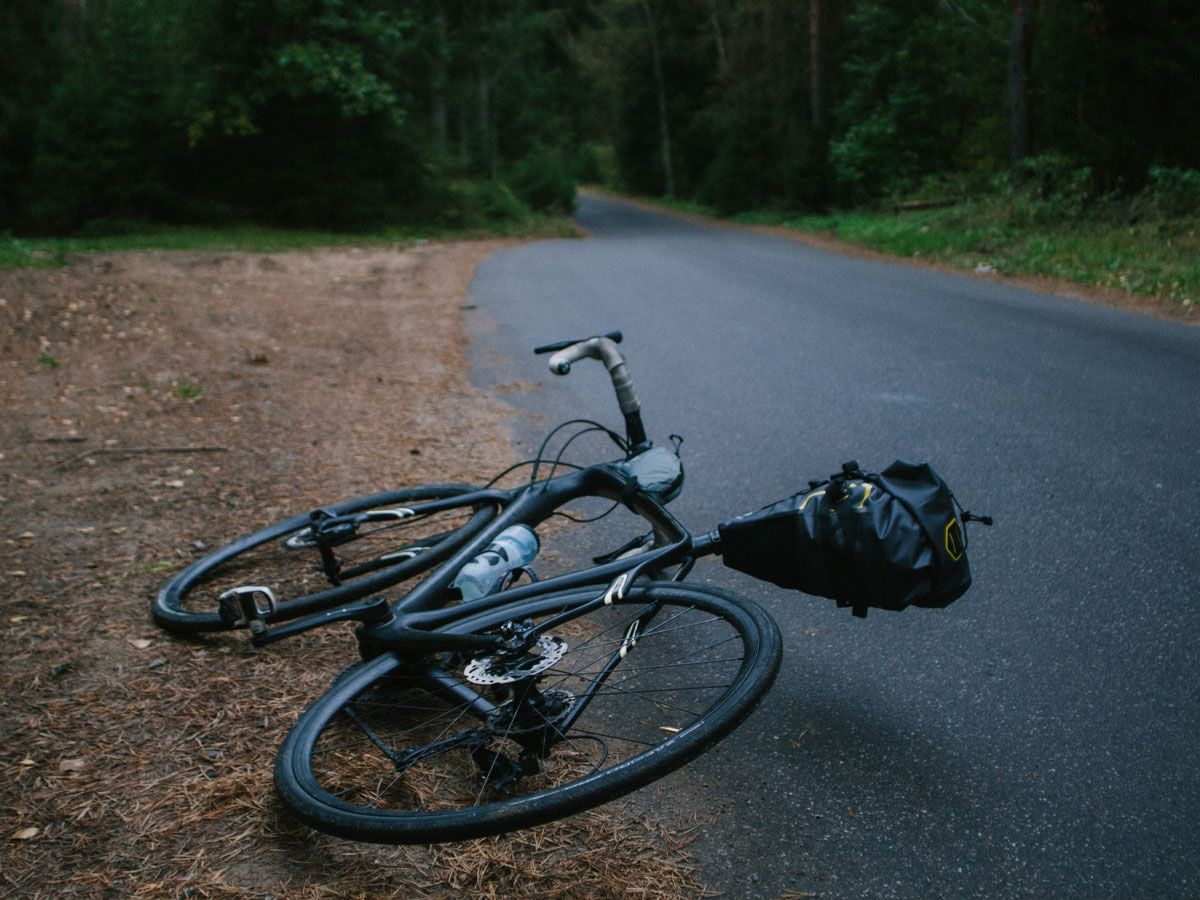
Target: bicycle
(264, 577)
(471, 718)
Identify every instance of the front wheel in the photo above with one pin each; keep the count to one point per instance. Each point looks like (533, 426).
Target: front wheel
(450, 747)
(327, 557)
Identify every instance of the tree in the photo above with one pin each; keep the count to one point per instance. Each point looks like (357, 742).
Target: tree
(1020, 52)
(660, 93)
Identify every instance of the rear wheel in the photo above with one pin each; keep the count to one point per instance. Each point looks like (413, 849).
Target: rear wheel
(451, 747)
(326, 557)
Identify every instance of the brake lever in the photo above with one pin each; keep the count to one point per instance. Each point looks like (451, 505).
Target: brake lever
(614, 336)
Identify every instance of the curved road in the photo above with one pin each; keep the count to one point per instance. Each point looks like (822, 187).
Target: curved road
(1038, 738)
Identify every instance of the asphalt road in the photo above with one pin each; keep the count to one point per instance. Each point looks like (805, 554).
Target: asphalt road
(1038, 738)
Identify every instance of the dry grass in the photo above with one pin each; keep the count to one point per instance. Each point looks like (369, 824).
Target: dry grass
(136, 764)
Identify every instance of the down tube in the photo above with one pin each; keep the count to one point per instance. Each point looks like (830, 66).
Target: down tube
(422, 608)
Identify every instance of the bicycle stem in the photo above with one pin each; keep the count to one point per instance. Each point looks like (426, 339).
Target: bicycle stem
(605, 349)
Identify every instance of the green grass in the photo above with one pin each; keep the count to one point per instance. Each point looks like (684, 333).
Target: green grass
(189, 391)
(146, 568)
(1157, 257)
(46, 252)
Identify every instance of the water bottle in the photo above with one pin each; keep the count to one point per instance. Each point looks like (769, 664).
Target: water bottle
(515, 546)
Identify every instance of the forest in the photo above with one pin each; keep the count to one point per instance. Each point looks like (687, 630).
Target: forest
(346, 115)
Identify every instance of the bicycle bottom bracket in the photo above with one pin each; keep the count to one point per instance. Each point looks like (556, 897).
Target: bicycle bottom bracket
(506, 668)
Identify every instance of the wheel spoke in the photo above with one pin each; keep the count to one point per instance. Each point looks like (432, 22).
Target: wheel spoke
(564, 738)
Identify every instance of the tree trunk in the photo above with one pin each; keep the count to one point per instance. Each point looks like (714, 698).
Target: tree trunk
(718, 35)
(660, 89)
(485, 125)
(464, 119)
(1020, 52)
(440, 83)
(816, 100)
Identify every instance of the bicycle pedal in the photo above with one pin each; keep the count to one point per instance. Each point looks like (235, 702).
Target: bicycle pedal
(239, 607)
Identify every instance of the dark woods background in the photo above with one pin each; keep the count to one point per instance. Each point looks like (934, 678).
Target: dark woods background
(351, 114)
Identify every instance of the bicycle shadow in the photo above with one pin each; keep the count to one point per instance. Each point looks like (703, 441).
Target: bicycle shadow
(837, 787)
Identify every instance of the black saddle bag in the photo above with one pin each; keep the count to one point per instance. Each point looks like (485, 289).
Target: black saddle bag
(889, 540)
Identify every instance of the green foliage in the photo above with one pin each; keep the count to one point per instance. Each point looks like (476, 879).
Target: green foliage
(544, 180)
(1173, 191)
(1157, 259)
(187, 390)
(489, 208)
(595, 163)
(910, 104)
(314, 113)
(1116, 85)
(50, 362)
(479, 204)
(1051, 187)
(332, 114)
(909, 90)
(109, 143)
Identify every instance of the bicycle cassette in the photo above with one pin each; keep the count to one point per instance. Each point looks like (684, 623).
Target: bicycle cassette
(550, 712)
(505, 669)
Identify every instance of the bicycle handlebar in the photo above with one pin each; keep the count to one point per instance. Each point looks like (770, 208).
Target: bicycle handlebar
(614, 336)
(604, 348)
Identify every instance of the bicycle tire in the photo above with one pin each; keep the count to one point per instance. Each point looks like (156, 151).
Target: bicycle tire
(339, 768)
(188, 603)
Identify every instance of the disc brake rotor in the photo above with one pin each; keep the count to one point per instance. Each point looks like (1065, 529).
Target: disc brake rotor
(504, 669)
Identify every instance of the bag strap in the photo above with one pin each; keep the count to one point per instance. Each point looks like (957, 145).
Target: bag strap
(836, 492)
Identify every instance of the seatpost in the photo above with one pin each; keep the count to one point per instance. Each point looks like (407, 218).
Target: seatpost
(605, 349)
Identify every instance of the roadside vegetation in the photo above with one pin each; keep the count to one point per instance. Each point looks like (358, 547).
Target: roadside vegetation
(1055, 226)
(41, 252)
(1056, 138)
(303, 114)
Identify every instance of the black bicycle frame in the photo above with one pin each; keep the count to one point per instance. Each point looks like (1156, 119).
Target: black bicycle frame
(421, 618)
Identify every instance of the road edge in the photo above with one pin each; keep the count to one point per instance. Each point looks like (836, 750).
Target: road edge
(1060, 287)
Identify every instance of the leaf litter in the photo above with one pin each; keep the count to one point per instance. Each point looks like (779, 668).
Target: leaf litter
(132, 773)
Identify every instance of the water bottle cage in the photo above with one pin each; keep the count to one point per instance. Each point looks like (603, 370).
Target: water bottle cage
(513, 575)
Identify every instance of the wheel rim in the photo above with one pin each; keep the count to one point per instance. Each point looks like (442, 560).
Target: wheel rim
(393, 761)
(286, 559)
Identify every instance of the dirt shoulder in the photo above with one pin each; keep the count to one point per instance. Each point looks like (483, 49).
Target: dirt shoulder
(135, 763)
(1154, 306)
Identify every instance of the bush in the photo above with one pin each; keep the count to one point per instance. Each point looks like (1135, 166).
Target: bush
(727, 186)
(1051, 187)
(596, 163)
(544, 180)
(1174, 192)
(477, 204)
(1054, 175)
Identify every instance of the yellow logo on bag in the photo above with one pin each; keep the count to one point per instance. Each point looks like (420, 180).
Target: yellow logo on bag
(954, 541)
(867, 490)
